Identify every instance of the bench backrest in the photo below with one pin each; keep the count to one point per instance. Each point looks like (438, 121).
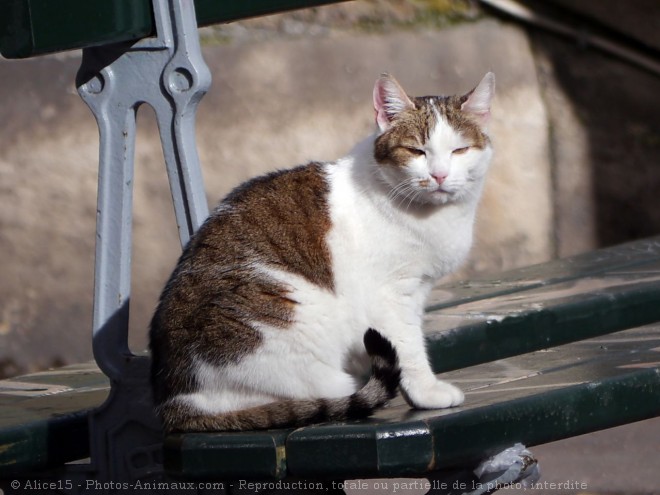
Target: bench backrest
(37, 27)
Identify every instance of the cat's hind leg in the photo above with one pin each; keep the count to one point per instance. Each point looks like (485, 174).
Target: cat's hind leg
(206, 410)
(267, 375)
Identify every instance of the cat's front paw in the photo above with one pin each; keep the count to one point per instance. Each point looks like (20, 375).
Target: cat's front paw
(439, 395)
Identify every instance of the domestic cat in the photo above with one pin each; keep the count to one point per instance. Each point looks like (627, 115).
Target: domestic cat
(302, 279)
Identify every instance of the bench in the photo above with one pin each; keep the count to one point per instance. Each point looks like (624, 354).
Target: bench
(552, 383)
(528, 346)
(539, 393)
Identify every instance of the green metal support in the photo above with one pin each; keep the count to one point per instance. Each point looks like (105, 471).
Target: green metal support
(37, 27)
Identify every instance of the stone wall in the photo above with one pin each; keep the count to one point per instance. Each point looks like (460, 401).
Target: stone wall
(273, 104)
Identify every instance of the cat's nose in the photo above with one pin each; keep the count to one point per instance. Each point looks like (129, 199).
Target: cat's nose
(439, 178)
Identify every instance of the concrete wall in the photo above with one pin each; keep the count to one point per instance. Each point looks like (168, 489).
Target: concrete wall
(273, 104)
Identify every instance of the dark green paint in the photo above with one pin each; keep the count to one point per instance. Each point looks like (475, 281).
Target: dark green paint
(44, 444)
(413, 443)
(362, 449)
(37, 27)
(43, 431)
(562, 321)
(334, 448)
(227, 455)
(468, 437)
(593, 263)
(412, 447)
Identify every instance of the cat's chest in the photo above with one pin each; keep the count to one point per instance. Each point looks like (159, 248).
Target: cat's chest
(373, 243)
(368, 245)
(448, 241)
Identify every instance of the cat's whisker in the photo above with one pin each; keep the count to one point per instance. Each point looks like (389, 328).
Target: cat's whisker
(413, 198)
(405, 193)
(402, 189)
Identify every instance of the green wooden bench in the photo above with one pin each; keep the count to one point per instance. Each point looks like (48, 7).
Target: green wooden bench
(535, 396)
(544, 352)
(552, 383)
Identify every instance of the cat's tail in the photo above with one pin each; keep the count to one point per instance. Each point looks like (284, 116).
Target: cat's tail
(380, 388)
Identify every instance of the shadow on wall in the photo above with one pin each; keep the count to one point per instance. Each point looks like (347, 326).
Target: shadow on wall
(276, 104)
(619, 106)
(605, 173)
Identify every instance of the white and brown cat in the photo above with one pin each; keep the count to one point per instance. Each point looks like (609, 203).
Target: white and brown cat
(302, 279)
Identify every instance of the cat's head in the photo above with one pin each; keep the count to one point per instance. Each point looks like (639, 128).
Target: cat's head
(432, 149)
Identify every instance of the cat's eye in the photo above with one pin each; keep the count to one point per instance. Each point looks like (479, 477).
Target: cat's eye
(460, 151)
(415, 151)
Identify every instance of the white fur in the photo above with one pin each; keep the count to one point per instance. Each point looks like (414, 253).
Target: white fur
(388, 248)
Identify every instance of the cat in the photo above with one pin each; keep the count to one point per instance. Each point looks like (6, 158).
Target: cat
(301, 279)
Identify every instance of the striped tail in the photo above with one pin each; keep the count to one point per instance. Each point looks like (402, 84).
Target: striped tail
(380, 388)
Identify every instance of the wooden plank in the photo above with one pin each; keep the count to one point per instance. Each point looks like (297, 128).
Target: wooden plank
(463, 439)
(245, 455)
(37, 27)
(556, 271)
(574, 389)
(544, 316)
(583, 297)
(43, 417)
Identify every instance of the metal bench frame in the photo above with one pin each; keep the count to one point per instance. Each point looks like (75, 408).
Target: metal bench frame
(126, 438)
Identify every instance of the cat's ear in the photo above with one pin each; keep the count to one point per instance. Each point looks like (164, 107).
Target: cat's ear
(389, 100)
(477, 101)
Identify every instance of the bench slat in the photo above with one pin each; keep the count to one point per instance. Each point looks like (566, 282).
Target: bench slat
(533, 399)
(246, 455)
(43, 417)
(465, 439)
(544, 316)
(594, 294)
(37, 27)
(588, 264)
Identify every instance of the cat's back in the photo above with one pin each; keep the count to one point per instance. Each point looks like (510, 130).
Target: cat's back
(220, 286)
(278, 219)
